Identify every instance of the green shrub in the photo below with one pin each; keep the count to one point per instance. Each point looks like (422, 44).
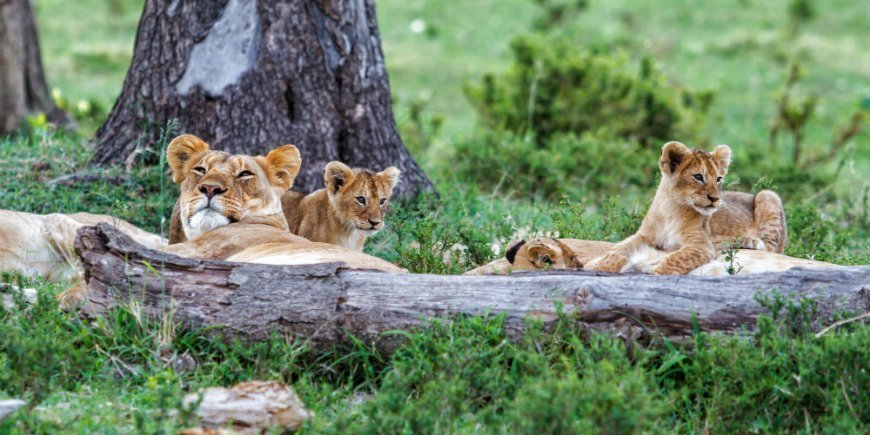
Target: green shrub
(565, 120)
(556, 87)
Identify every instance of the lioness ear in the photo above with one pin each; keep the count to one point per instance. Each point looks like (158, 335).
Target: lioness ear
(181, 150)
(722, 154)
(336, 175)
(389, 177)
(281, 165)
(673, 154)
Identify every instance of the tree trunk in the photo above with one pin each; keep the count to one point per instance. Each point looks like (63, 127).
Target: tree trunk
(324, 302)
(22, 82)
(249, 75)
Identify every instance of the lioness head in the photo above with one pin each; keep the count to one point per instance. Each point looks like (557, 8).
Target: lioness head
(694, 177)
(219, 188)
(542, 253)
(359, 197)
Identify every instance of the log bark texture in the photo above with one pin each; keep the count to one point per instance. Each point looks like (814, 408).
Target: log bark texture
(22, 82)
(247, 76)
(321, 303)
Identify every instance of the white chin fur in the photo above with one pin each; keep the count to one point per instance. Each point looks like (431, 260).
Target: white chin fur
(204, 220)
(706, 211)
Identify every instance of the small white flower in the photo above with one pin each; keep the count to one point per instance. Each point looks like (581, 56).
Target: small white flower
(418, 26)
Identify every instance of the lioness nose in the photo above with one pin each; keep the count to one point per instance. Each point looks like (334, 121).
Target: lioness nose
(712, 198)
(374, 223)
(211, 190)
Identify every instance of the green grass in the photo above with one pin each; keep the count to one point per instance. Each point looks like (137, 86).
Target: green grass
(112, 375)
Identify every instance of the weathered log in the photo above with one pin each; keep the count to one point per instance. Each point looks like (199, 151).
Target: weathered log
(322, 303)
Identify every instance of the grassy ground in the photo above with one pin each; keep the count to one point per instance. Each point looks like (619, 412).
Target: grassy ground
(114, 375)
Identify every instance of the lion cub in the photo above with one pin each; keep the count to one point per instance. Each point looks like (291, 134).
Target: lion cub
(348, 210)
(678, 220)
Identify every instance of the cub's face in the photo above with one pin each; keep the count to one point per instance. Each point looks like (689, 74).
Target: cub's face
(360, 197)
(219, 188)
(541, 253)
(694, 177)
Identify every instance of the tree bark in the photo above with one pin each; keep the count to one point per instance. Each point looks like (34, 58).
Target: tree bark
(22, 83)
(249, 75)
(322, 303)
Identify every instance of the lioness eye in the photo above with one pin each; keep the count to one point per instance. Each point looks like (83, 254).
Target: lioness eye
(199, 169)
(699, 177)
(361, 200)
(245, 174)
(383, 200)
(718, 179)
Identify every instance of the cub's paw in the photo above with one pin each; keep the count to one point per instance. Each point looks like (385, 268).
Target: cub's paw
(608, 263)
(662, 270)
(753, 243)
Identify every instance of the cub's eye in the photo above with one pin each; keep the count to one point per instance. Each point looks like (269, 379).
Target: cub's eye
(199, 170)
(245, 174)
(718, 179)
(699, 177)
(383, 201)
(361, 200)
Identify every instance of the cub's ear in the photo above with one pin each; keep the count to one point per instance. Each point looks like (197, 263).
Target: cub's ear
(722, 154)
(336, 175)
(511, 252)
(181, 151)
(281, 165)
(389, 177)
(542, 256)
(673, 154)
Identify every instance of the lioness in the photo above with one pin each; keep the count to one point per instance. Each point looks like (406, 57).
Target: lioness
(679, 219)
(544, 253)
(348, 210)
(218, 188)
(44, 245)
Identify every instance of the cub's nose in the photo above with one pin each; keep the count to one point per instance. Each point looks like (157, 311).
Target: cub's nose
(211, 190)
(712, 199)
(374, 223)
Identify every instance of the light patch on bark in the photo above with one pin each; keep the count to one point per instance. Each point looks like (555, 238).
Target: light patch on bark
(226, 53)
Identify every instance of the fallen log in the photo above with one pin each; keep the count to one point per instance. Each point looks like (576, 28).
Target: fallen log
(322, 303)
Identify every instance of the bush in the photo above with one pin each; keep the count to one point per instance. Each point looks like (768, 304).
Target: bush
(565, 120)
(556, 87)
(564, 164)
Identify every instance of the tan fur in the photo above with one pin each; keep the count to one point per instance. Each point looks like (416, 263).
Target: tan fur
(335, 214)
(243, 188)
(228, 240)
(757, 220)
(257, 243)
(312, 253)
(44, 245)
(678, 220)
(643, 260)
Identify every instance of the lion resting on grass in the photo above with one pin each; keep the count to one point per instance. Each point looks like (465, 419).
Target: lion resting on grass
(348, 210)
(681, 215)
(544, 253)
(44, 245)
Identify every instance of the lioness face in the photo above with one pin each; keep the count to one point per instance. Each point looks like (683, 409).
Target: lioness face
(695, 176)
(219, 188)
(540, 254)
(360, 197)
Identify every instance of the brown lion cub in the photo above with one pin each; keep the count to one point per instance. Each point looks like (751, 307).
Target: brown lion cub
(678, 220)
(218, 188)
(348, 210)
